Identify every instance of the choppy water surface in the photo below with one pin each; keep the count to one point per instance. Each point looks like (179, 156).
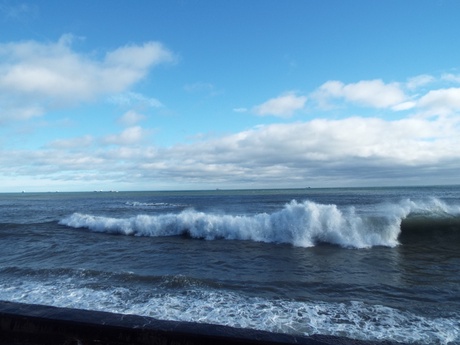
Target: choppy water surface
(374, 263)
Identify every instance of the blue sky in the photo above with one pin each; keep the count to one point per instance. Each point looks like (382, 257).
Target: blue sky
(153, 95)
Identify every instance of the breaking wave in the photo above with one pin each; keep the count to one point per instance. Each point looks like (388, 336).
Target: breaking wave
(303, 224)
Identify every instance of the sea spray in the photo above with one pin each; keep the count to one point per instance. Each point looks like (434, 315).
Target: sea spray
(302, 224)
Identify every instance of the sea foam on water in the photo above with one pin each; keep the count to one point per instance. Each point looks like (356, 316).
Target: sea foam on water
(353, 319)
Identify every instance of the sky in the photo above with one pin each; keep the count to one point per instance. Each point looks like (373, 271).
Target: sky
(206, 94)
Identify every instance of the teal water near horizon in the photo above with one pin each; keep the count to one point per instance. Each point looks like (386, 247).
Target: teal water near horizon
(365, 263)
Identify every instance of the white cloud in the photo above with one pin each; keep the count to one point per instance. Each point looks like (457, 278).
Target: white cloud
(420, 80)
(129, 136)
(352, 151)
(349, 151)
(441, 102)
(372, 93)
(51, 74)
(404, 106)
(240, 110)
(329, 140)
(131, 118)
(282, 106)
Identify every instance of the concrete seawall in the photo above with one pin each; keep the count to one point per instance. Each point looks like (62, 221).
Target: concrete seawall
(23, 324)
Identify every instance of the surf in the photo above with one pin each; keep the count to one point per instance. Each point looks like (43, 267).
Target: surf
(302, 224)
(192, 303)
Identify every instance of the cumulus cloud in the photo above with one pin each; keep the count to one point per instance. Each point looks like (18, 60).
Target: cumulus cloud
(51, 74)
(377, 94)
(129, 136)
(137, 57)
(372, 93)
(322, 140)
(404, 106)
(282, 106)
(362, 150)
(354, 151)
(441, 102)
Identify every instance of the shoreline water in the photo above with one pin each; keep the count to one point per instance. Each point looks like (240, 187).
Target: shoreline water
(39, 325)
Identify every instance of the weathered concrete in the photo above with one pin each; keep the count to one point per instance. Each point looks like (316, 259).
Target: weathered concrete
(22, 324)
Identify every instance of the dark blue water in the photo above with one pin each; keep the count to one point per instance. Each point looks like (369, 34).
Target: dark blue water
(373, 263)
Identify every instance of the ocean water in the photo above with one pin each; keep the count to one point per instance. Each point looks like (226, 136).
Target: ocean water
(369, 264)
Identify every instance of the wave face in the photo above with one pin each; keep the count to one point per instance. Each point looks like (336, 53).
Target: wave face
(303, 224)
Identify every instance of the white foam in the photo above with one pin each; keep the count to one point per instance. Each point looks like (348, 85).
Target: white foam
(355, 320)
(152, 204)
(432, 207)
(303, 224)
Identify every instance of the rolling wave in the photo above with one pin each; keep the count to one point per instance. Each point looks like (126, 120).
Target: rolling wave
(303, 224)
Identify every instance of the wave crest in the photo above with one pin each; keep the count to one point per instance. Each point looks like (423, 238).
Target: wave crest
(303, 224)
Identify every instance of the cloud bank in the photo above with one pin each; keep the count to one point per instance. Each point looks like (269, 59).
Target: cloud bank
(322, 153)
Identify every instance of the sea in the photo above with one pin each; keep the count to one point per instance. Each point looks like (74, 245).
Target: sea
(380, 264)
